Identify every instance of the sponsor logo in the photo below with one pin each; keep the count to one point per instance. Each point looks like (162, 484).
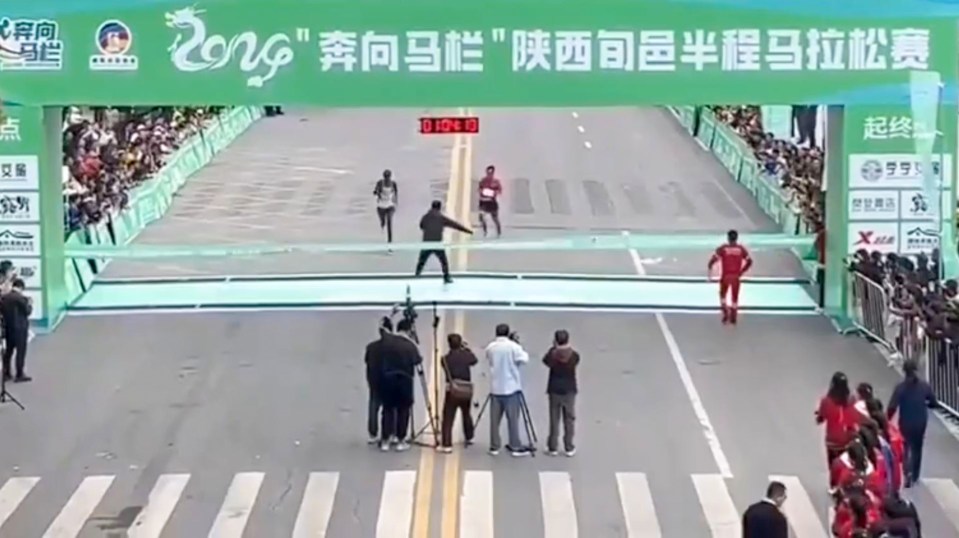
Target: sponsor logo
(19, 207)
(19, 172)
(921, 239)
(869, 238)
(871, 171)
(114, 41)
(874, 205)
(30, 45)
(919, 204)
(29, 270)
(19, 241)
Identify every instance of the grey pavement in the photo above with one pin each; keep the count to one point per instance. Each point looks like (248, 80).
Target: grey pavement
(306, 177)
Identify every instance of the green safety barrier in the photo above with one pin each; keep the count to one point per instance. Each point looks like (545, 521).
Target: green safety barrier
(151, 200)
(644, 242)
(687, 116)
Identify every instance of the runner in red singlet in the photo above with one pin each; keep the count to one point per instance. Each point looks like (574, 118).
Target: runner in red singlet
(735, 262)
(489, 191)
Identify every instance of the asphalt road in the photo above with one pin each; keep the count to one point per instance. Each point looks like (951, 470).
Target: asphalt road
(150, 399)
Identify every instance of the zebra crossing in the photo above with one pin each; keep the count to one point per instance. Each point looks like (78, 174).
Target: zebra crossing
(396, 505)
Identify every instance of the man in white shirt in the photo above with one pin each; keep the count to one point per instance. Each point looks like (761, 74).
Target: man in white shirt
(506, 357)
(387, 196)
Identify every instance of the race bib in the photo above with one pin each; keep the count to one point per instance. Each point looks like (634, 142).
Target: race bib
(487, 193)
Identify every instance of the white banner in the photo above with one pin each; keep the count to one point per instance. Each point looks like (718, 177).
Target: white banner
(19, 207)
(891, 170)
(20, 172)
(30, 271)
(915, 204)
(20, 240)
(916, 237)
(872, 204)
(874, 236)
(924, 97)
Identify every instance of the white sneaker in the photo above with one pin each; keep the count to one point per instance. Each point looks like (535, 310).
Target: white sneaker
(494, 452)
(373, 440)
(570, 453)
(552, 453)
(445, 449)
(402, 446)
(385, 446)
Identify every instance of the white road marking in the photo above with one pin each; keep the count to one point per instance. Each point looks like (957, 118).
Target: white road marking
(687, 379)
(559, 509)
(946, 494)
(236, 508)
(576, 115)
(588, 144)
(69, 522)
(476, 505)
(580, 128)
(160, 504)
(717, 506)
(800, 510)
(317, 505)
(396, 505)
(638, 507)
(12, 494)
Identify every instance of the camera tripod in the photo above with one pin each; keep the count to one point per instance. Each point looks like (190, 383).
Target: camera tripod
(524, 413)
(4, 395)
(409, 313)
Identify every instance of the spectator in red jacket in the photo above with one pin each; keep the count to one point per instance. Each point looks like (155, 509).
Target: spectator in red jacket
(837, 411)
(852, 467)
(858, 514)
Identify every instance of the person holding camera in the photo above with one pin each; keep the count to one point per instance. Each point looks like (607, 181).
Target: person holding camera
(400, 358)
(374, 367)
(561, 389)
(15, 309)
(506, 357)
(459, 391)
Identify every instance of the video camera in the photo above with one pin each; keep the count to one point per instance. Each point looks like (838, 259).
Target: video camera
(408, 310)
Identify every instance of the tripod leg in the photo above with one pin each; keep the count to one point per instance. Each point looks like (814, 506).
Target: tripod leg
(482, 410)
(528, 419)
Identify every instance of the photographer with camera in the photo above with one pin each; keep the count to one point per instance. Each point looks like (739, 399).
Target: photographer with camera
(506, 356)
(459, 391)
(374, 368)
(561, 389)
(400, 358)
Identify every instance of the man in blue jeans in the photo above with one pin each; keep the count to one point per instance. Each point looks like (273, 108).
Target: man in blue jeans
(506, 357)
(912, 398)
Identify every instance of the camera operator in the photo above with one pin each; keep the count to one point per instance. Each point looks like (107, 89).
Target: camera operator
(400, 358)
(15, 308)
(561, 389)
(459, 391)
(374, 369)
(505, 356)
(433, 224)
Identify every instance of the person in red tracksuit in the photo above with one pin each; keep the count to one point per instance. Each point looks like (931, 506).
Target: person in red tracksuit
(837, 411)
(858, 514)
(735, 262)
(853, 466)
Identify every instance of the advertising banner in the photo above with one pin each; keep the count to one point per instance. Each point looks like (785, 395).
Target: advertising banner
(21, 146)
(429, 53)
(889, 163)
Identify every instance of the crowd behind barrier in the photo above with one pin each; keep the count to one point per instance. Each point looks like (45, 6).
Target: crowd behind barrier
(904, 306)
(107, 153)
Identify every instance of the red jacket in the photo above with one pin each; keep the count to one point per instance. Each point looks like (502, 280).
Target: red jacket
(844, 524)
(898, 446)
(842, 474)
(842, 421)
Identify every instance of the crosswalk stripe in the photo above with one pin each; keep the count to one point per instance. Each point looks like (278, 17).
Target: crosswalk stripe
(69, 522)
(799, 509)
(476, 506)
(559, 509)
(233, 515)
(12, 494)
(946, 494)
(717, 505)
(396, 505)
(152, 518)
(317, 506)
(638, 507)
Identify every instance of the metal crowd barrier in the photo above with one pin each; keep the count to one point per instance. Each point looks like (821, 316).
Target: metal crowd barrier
(874, 315)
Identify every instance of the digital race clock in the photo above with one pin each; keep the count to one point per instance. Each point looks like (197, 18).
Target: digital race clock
(449, 125)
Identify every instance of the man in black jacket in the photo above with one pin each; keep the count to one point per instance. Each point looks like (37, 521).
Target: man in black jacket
(561, 389)
(433, 224)
(456, 367)
(401, 356)
(15, 308)
(374, 370)
(912, 398)
(765, 519)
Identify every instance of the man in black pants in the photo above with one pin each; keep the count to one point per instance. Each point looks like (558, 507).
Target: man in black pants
(433, 223)
(456, 366)
(374, 369)
(15, 307)
(400, 359)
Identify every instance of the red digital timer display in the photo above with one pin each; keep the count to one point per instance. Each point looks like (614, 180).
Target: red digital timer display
(450, 125)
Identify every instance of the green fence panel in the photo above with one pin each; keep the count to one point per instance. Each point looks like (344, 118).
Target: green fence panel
(729, 148)
(707, 127)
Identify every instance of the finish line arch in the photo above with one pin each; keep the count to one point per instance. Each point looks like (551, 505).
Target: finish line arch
(887, 117)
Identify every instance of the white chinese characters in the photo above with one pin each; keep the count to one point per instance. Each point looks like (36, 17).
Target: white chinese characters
(10, 130)
(420, 51)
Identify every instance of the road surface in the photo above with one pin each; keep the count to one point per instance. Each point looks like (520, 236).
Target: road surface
(214, 424)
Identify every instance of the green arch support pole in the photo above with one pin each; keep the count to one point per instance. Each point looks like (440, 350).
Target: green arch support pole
(31, 206)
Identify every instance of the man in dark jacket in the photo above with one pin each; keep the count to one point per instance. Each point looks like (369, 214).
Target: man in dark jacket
(401, 356)
(912, 397)
(765, 519)
(433, 224)
(561, 389)
(15, 308)
(456, 368)
(374, 370)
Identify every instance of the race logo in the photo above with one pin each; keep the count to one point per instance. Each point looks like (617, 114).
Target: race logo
(871, 171)
(19, 242)
(114, 41)
(30, 45)
(196, 51)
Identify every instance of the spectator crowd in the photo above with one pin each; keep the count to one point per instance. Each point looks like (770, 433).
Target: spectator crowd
(110, 152)
(798, 163)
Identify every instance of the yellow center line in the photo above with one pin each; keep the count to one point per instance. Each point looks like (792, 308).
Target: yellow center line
(424, 479)
(451, 472)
